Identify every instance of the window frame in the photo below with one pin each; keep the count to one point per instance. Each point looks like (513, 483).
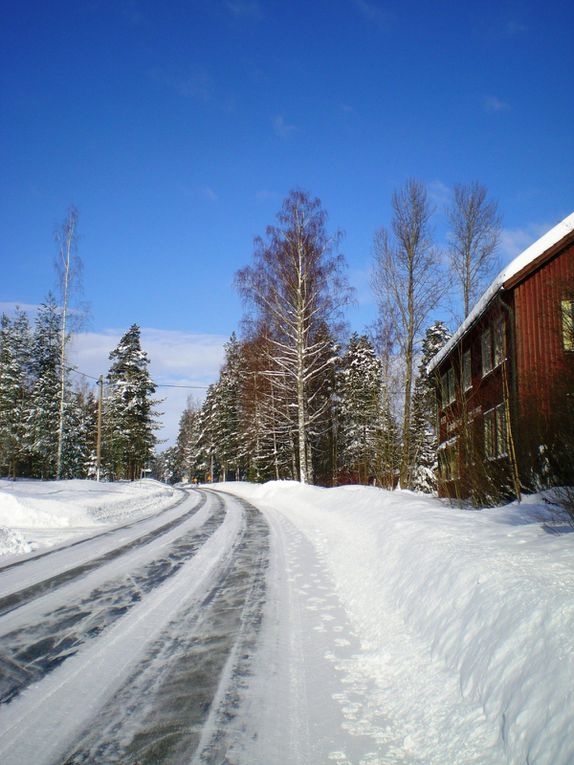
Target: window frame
(498, 343)
(495, 433)
(567, 314)
(448, 387)
(449, 460)
(486, 351)
(466, 370)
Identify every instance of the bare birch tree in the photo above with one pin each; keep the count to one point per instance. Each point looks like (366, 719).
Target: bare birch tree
(407, 282)
(473, 239)
(68, 268)
(296, 287)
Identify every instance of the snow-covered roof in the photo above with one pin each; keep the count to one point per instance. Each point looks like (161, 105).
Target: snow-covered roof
(528, 256)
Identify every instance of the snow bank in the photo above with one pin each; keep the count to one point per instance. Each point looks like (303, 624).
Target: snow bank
(12, 542)
(39, 513)
(487, 596)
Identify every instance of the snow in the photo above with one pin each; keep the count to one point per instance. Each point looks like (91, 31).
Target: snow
(396, 628)
(37, 514)
(526, 257)
(33, 732)
(464, 622)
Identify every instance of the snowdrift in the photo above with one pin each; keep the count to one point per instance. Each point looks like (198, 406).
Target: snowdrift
(486, 596)
(44, 513)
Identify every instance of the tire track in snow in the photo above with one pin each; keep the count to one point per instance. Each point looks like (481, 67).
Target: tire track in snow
(16, 599)
(37, 648)
(181, 701)
(41, 725)
(86, 541)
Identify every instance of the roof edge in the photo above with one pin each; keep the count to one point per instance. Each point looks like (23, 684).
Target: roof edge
(510, 275)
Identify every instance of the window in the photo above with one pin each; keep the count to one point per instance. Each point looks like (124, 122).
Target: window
(495, 433)
(493, 347)
(448, 460)
(486, 349)
(466, 371)
(568, 324)
(499, 349)
(448, 391)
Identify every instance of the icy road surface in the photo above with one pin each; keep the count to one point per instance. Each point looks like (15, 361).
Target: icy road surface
(132, 646)
(282, 625)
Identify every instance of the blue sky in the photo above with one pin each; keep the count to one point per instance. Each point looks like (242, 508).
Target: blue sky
(177, 128)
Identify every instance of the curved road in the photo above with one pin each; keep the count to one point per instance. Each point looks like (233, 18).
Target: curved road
(131, 647)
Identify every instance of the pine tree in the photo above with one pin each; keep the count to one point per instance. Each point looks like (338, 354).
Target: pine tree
(207, 462)
(15, 353)
(187, 441)
(323, 400)
(360, 410)
(129, 409)
(42, 422)
(423, 459)
(79, 433)
(227, 413)
(388, 463)
(166, 466)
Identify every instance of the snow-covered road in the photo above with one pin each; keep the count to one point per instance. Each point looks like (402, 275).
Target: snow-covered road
(282, 624)
(136, 653)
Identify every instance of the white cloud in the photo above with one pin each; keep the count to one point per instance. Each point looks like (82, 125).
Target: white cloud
(176, 358)
(281, 128)
(514, 240)
(492, 104)
(9, 308)
(440, 194)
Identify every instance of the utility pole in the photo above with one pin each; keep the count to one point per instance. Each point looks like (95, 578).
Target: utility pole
(99, 431)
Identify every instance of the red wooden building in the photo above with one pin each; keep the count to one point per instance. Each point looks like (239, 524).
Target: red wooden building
(505, 380)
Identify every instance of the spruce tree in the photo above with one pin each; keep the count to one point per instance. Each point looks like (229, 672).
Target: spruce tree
(208, 462)
(15, 353)
(129, 409)
(79, 433)
(423, 440)
(360, 411)
(227, 412)
(324, 406)
(166, 466)
(42, 421)
(187, 442)
(389, 459)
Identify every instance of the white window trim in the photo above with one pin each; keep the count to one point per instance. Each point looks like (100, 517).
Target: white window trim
(567, 313)
(498, 410)
(467, 355)
(486, 370)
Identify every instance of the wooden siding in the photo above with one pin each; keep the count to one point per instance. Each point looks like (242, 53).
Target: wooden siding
(538, 371)
(541, 361)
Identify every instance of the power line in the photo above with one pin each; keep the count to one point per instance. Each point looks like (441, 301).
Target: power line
(77, 371)
(157, 385)
(190, 387)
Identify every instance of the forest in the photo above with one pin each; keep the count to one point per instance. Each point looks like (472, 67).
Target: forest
(297, 397)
